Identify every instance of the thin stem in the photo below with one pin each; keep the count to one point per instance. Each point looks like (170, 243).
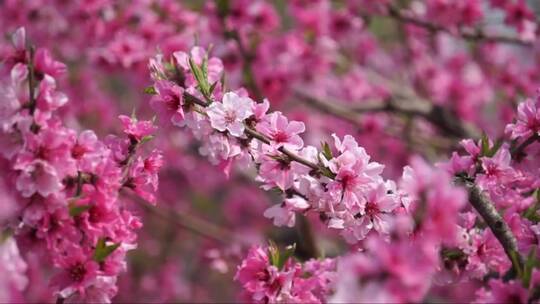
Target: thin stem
(473, 35)
(518, 152)
(443, 119)
(31, 81)
(251, 133)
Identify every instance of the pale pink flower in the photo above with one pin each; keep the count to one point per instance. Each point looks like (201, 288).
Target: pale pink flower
(38, 177)
(281, 132)
(377, 212)
(284, 214)
(230, 114)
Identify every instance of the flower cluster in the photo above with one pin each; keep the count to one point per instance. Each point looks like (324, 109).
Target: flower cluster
(65, 185)
(269, 276)
(347, 188)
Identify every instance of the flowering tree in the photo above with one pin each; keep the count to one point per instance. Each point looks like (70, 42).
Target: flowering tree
(306, 151)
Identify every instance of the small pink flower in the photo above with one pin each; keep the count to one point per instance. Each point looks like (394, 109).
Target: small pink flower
(275, 172)
(169, 101)
(528, 120)
(38, 177)
(281, 132)
(46, 65)
(379, 205)
(284, 214)
(230, 114)
(137, 129)
(79, 272)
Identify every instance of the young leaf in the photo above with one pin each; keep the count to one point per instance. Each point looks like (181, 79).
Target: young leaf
(103, 250)
(76, 210)
(530, 264)
(273, 252)
(150, 90)
(326, 151)
(283, 258)
(495, 148)
(484, 148)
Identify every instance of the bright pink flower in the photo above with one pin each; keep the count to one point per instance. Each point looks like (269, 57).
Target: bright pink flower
(79, 272)
(376, 214)
(230, 113)
(169, 101)
(528, 120)
(137, 129)
(281, 132)
(46, 65)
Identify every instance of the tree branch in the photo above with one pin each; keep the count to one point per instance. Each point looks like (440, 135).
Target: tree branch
(518, 152)
(493, 219)
(468, 34)
(438, 116)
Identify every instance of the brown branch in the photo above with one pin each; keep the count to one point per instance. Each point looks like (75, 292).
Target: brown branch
(493, 219)
(468, 34)
(518, 152)
(438, 116)
(31, 81)
(253, 134)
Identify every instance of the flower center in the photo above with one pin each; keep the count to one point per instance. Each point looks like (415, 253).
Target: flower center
(372, 209)
(230, 117)
(280, 137)
(77, 272)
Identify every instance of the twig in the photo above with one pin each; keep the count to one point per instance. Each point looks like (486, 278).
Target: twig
(518, 152)
(440, 117)
(493, 219)
(31, 81)
(473, 35)
(251, 133)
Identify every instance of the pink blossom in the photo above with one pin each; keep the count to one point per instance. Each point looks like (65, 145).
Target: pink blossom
(376, 214)
(137, 129)
(230, 113)
(169, 101)
(38, 177)
(528, 120)
(281, 132)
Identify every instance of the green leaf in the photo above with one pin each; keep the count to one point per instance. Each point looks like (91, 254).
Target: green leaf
(515, 263)
(495, 148)
(273, 252)
(326, 151)
(283, 258)
(484, 145)
(278, 258)
(103, 250)
(530, 264)
(146, 139)
(198, 73)
(76, 210)
(150, 90)
(213, 87)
